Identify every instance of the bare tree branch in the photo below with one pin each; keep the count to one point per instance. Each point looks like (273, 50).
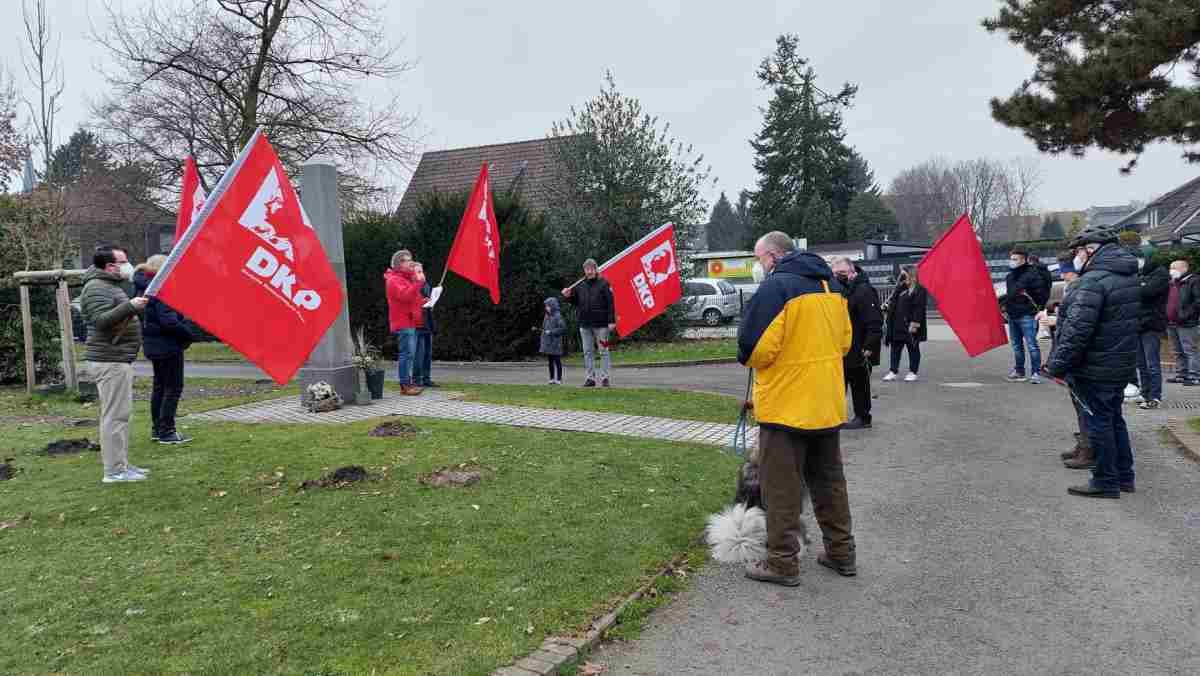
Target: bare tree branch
(43, 66)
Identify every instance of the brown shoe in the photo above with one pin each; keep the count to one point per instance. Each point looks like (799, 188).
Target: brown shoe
(844, 567)
(763, 572)
(1084, 459)
(410, 390)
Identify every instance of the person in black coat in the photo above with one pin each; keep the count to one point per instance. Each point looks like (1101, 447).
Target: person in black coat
(165, 337)
(594, 308)
(862, 302)
(1096, 353)
(1155, 285)
(1027, 291)
(906, 325)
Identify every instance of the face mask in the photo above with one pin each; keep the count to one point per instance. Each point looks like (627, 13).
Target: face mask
(758, 272)
(127, 270)
(1080, 261)
(1176, 274)
(843, 277)
(1013, 265)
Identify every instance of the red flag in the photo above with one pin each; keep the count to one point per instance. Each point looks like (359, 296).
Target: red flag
(250, 271)
(475, 253)
(955, 272)
(644, 279)
(191, 201)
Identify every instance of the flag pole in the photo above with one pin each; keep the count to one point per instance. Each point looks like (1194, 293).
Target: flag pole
(445, 271)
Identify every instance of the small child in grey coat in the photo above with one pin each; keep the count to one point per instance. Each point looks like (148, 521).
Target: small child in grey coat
(553, 328)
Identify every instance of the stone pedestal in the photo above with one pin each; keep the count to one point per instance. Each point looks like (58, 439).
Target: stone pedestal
(331, 360)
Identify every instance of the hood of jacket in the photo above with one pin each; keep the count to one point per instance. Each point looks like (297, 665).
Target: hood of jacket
(1151, 267)
(141, 281)
(407, 275)
(1113, 258)
(804, 264)
(97, 273)
(553, 303)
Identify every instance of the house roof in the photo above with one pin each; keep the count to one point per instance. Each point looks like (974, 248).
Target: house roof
(1178, 211)
(527, 165)
(98, 201)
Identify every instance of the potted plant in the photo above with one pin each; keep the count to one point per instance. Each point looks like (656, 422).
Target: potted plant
(367, 360)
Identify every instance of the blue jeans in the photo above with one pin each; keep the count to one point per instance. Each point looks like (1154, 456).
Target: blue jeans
(423, 361)
(914, 356)
(1022, 333)
(1149, 364)
(407, 338)
(1107, 432)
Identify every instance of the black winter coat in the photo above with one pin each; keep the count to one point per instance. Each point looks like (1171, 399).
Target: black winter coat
(1025, 287)
(1156, 287)
(862, 301)
(593, 301)
(1189, 301)
(164, 332)
(427, 323)
(905, 306)
(1098, 336)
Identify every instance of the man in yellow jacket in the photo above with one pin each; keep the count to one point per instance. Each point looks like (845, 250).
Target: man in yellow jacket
(794, 333)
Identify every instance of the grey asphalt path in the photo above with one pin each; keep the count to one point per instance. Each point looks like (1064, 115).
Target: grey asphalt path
(972, 557)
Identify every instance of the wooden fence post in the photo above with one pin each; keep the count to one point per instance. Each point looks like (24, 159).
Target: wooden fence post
(67, 334)
(27, 327)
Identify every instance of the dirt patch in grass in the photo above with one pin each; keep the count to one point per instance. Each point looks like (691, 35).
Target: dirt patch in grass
(68, 447)
(339, 478)
(395, 428)
(459, 476)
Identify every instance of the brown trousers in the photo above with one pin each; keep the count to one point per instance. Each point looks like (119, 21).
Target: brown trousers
(789, 461)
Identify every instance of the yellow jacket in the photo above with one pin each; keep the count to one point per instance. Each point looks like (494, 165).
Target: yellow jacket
(794, 333)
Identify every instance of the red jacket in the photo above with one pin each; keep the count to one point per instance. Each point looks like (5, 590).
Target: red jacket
(404, 299)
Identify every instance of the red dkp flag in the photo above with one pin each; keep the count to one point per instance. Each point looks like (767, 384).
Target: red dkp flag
(250, 271)
(475, 254)
(956, 273)
(191, 201)
(644, 279)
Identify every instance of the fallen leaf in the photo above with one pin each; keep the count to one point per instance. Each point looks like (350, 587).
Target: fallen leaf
(529, 629)
(476, 507)
(215, 493)
(591, 668)
(482, 620)
(120, 531)
(167, 529)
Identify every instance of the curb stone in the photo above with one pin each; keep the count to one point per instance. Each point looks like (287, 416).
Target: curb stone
(1188, 440)
(558, 651)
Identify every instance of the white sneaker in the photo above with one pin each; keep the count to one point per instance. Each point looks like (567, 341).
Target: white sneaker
(121, 477)
(889, 377)
(1035, 379)
(137, 470)
(1139, 399)
(1132, 391)
(911, 378)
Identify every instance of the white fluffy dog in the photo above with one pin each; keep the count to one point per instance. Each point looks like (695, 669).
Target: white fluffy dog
(737, 534)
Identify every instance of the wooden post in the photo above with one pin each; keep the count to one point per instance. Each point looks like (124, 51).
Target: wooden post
(27, 327)
(67, 333)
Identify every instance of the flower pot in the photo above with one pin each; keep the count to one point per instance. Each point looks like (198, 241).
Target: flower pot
(375, 383)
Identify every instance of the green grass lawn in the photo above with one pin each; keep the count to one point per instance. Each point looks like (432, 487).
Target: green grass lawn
(213, 352)
(1194, 423)
(217, 565)
(629, 401)
(657, 353)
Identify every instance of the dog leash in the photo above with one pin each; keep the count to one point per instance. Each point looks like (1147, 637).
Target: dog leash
(741, 431)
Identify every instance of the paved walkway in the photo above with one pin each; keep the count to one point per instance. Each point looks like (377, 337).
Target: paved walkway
(447, 406)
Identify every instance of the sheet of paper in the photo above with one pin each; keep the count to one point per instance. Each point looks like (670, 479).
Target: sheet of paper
(433, 297)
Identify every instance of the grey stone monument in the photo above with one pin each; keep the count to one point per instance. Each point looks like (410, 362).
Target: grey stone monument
(331, 360)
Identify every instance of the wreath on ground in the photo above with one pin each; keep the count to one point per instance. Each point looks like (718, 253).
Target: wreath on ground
(322, 398)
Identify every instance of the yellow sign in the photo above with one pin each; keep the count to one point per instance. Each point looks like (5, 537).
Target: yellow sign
(731, 268)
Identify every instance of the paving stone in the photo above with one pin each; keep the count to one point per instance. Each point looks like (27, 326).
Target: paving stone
(446, 406)
(537, 666)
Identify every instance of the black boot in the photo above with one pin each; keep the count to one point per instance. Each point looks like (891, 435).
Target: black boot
(858, 424)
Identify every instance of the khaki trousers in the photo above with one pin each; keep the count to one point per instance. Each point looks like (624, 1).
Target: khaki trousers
(789, 460)
(115, 382)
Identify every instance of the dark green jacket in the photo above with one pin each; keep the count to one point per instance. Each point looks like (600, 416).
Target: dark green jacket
(114, 333)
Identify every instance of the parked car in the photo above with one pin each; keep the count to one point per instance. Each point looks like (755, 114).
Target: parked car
(712, 301)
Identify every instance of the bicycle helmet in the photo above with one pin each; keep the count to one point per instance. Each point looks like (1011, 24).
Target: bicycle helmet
(1094, 234)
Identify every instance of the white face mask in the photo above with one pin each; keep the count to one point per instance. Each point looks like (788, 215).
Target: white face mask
(125, 270)
(1080, 261)
(758, 272)
(1013, 264)
(1176, 274)
(1141, 263)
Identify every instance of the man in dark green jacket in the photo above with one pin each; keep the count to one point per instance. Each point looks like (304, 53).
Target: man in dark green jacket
(114, 338)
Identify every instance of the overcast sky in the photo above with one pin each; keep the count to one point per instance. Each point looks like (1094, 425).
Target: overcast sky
(491, 72)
